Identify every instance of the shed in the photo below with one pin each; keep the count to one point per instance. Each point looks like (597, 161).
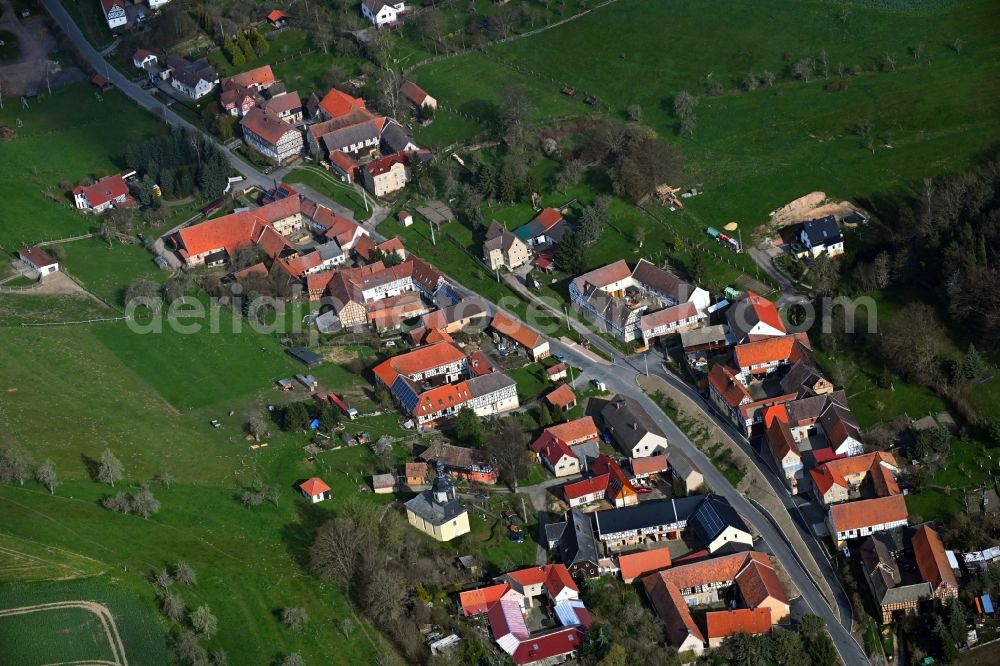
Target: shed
(304, 356)
(415, 473)
(383, 484)
(315, 489)
(308, 381)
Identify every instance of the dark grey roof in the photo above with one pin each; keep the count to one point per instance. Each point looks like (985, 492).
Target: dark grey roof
(190, 72)
(628, 422)
(713, 516)
(823, 230)
(646, 514)
(884, 576)
(375, 5)
(394, 138)
(350, 135)
(553, 533)
(666, 283)
(577, 543)
(485, 384)
(811, 407)
(612, 309)
(498, 236)
(434, 513)
(800, 376)
(897, 539)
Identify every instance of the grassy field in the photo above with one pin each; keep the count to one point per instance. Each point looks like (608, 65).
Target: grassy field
(64, 139)
(332, 187)
(76, 635)
(754, 151)
(26, 560)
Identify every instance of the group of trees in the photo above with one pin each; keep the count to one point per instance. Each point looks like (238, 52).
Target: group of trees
(631, 632)
(936, 633)
(385, 568)
(808, 645)
(190, 628)
(684, 105)
(296, 416)
(245, 46)
(16, 468)
(181, 163)
(504, 439)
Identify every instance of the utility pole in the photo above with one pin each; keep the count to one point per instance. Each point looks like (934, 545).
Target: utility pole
(645, 357)
(524, 512)
(433, 239)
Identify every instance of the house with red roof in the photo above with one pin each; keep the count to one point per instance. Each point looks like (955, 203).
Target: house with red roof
(864, 517)
(336, 104)
(561, 397)
(783, 447)
(720, 625)
(586, 491)
(643, 468)
(753, 317)
(632, 566)
(39, 259)
(870, 474)
(417, 96)
(315, 489)
(114, 13)
(345, 166)
(107, 192)
(932, 562)
(511, 333)
(555, 454)
(673, 592)
(278, 18)
(620, 491)
(271, 136)
(479, 600)
(761, 357)
(258, 78)
(386, 174)
(144, 59)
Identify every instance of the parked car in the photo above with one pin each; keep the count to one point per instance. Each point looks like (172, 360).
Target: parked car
(599, 385)
(643, 491)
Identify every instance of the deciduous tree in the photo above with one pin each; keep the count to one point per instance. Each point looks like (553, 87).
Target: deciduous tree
(110, 470)
(508, 446)
(204, 622)
(46, 475)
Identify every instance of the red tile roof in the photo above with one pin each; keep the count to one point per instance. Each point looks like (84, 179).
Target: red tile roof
(671, 608)
(344, 162)
(562, 397)
(337, 104)
(385, 164)
(779, 436)
(835, 472)
(37, 256)
(283, 103)
(605, 275)
(540, 647)
(556, 369)
(413, 92)
(268, 127)
(869, 512)
(104, 190)
(824, 480)
(785, 348)
(635, 565)
(479, 600)
(557, 579)
(575, 431)
(578, 489)
(720, 624)
(931, 558)
(419, 360)
(649, 465)
(724, 381)
(276, 15)
(619, 485)
(765, 311)
(548, 218)
(551, 448)
(479, 363)
(516, 331)
(142, 54)
(259, 76)
(714, 570)
(314, 486)
(758, 582)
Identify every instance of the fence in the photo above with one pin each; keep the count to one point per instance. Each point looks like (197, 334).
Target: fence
(82, 321)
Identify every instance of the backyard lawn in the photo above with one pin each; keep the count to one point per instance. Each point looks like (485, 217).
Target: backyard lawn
(71, 124)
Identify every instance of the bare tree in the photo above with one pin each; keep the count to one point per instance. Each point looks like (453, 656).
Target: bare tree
(165, 477)
(882, 270)
(334, 554)
(750, 82)
(13, 467)
(294, 659)
(184, 573)
(173, 606)
(957, 45)
(917, 50)
(767, 78)
(639, 236)
(3, 84)
(688, 125)
(824, 59)
(294, 618)
(684, 104)
(346, 627)
(144, 503)
(635, 113)
(257, 427)
(46, 475)
(187, 648)
(389, 81)
(803, 69)
(515, 107)
(204, 622)
(110, 470)
(888, 62)
(162, 579)
(508, 446)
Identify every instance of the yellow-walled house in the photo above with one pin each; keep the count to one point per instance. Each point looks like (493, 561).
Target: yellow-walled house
(437, 512)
